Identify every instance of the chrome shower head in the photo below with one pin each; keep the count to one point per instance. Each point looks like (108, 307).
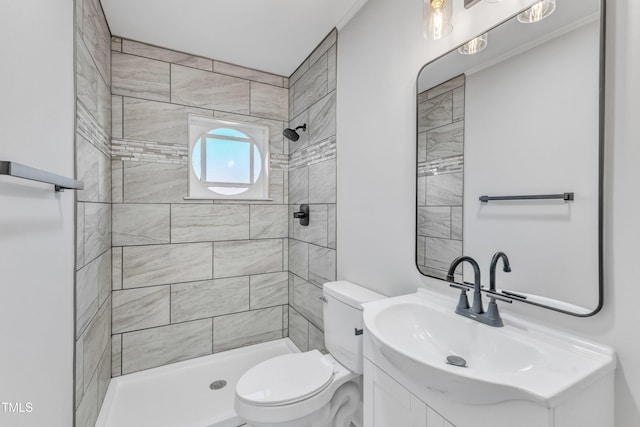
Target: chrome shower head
(292, 135)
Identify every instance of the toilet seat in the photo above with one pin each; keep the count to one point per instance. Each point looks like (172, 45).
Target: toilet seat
(285, 379)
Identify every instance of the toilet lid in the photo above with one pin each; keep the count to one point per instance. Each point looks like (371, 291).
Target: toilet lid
(285, 379)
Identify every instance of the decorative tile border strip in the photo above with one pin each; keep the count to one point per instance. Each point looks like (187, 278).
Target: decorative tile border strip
(160, 152)
(451, 164)
(279, 162)
(88, 127)
(316, 153)
(150, 152)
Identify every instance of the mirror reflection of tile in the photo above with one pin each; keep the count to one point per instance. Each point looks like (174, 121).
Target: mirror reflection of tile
(440, 172)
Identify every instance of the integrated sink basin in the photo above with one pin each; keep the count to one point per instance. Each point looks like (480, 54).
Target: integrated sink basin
(416, 333)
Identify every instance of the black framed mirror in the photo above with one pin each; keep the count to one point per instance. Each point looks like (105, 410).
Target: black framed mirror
(510, 155)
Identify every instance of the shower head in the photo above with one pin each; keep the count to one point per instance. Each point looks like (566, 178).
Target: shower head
(292, 135)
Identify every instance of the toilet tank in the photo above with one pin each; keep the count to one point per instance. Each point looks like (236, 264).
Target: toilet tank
(342, 317)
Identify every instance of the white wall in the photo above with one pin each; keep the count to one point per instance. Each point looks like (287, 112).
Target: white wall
(379, 55)
(36, 224)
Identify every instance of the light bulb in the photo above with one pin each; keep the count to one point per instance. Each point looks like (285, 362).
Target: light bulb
(474, 46)
(537, 12)
(437, 18)
(437, 22)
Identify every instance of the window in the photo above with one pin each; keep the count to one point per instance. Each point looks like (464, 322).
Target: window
(228, 160)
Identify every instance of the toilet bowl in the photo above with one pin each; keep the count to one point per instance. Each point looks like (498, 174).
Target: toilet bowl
(312, 389)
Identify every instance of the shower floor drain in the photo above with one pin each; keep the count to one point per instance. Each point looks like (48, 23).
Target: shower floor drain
(217, 385)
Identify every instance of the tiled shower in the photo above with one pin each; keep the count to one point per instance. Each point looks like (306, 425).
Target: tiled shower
(162, 279)
(193, 277)
(93, 211)
(312, 180)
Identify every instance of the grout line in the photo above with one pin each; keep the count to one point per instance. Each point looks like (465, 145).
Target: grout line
(94, 259)
(249, 292)
(91, 320)
(199, 280)
(250, 92)
(208, 110)
(122, 181)
(285, 244)
(213, 61)
(450, 222)
(201, 319)
(327, 228)
(122, 119)
(121, 354)
(199, 242)
(170, 223)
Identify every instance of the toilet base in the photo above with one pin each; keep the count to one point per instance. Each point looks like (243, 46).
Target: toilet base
(343, 410)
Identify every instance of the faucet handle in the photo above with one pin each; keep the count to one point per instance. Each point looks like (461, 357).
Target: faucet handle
(463, 301)
(496, 296)
(492, 316)
(464, 287)
(471, 285)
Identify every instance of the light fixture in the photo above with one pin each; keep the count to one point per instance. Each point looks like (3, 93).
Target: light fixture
(474, 46)
(537, 12)
(437, 18)
(469, 3)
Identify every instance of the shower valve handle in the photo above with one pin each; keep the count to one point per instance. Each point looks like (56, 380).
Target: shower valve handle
(302, 215)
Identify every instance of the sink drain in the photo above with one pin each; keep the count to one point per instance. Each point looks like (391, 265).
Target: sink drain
(217, 385)
(457, 361)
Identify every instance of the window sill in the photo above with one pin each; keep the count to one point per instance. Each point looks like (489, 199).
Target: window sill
(228, 199)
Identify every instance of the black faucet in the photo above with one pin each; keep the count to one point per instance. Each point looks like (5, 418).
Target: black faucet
(492, 309)
(476, 312)
(476, 308)
(506, 267)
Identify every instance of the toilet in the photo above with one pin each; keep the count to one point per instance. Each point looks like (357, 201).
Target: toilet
(312, 389)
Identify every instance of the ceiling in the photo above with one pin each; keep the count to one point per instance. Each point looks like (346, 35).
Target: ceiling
(267, 35)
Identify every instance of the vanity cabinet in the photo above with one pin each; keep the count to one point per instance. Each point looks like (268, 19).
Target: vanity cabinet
(391, 399)
(388, 404)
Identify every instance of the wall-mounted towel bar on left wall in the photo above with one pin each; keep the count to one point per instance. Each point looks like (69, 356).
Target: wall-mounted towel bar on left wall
(60, 183)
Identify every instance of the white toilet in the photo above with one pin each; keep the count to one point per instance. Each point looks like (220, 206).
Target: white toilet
(311, 389)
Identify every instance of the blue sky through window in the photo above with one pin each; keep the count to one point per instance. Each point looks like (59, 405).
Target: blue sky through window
(228, 161)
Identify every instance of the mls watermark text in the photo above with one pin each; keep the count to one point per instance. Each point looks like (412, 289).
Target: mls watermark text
(16, 407)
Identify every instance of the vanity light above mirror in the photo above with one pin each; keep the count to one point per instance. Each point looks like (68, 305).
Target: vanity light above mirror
(437, 16)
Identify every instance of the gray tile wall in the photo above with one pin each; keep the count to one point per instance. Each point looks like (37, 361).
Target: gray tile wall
(93, 346)
(440, 172)
(312, 180)
(191, 277)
